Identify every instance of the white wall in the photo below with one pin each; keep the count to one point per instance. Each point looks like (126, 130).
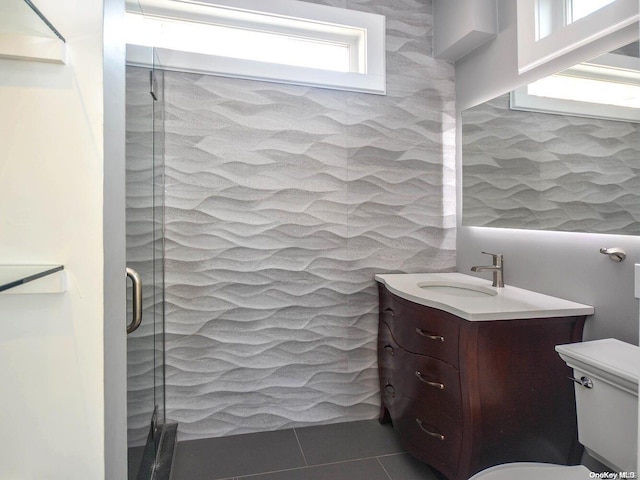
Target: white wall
(51, 209)
(567, 265)
(459, 26)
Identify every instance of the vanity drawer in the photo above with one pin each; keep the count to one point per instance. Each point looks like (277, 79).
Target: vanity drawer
(420, 329)
(430, 381)
(430, 436)
(434, 384)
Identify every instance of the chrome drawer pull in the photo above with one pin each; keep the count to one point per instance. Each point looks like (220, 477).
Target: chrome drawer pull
(389, 311)
(389, 349)
(439, 436)
(439, 338)
(586, 382)
(431, 384)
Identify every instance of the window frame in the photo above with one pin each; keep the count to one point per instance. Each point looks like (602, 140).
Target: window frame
(272, 16)
(617, 69)
(532, 53)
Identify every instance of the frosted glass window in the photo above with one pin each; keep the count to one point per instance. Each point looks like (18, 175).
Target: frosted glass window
(237, 43)
(578, 9)
(288, 41)
(607, 86)
(552, 15)
(582, 90)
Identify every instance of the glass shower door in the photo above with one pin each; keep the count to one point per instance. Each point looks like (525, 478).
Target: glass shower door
(145, 247)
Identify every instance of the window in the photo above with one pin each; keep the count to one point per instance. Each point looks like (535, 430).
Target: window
(582, 90)
(605, 87)
(555, 14)
(552, 29)
(286, 41)
(577, 9)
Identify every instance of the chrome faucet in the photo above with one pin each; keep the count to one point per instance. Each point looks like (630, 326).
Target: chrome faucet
(496, 268)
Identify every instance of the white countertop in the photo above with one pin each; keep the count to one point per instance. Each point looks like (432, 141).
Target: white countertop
(509, 303)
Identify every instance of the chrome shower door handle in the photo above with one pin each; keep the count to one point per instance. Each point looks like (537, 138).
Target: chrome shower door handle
(136, 301)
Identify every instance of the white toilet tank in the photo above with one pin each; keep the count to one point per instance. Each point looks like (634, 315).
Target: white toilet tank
(607, 403)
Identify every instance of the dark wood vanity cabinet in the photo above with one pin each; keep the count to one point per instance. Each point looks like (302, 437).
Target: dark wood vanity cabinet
(467, 395)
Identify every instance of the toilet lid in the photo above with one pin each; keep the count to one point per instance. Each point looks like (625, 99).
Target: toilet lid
(533, 471)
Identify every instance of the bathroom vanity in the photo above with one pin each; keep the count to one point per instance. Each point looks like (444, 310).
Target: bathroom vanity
(469, 375)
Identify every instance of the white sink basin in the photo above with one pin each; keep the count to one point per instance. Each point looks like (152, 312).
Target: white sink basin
(457, 289)
(473, 298)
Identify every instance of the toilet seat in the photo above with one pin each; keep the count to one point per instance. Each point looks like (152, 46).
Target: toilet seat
(533, 471)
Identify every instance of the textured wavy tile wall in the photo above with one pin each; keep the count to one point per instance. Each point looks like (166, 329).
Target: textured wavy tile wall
(282, 203)
(549, 172)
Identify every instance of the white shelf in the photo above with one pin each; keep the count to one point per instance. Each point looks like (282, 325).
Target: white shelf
(26, 34)
(32, 48)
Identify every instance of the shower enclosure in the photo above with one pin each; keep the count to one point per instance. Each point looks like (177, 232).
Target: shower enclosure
(145, 268)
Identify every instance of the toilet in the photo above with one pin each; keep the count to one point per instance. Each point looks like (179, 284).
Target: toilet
(606, 373)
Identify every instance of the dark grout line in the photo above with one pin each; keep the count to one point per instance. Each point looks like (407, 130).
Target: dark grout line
(306, 464)
(308, 467)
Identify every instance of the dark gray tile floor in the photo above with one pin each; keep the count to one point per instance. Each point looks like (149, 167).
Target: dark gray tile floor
(362, 450)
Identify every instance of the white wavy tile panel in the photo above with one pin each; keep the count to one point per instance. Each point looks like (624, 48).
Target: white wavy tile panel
(282, 202)
(549, 172)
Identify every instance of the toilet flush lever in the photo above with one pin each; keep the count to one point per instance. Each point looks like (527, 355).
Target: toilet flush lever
(584, 381)
(615, 254)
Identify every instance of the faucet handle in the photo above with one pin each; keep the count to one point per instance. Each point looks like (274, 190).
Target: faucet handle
(497, 258)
